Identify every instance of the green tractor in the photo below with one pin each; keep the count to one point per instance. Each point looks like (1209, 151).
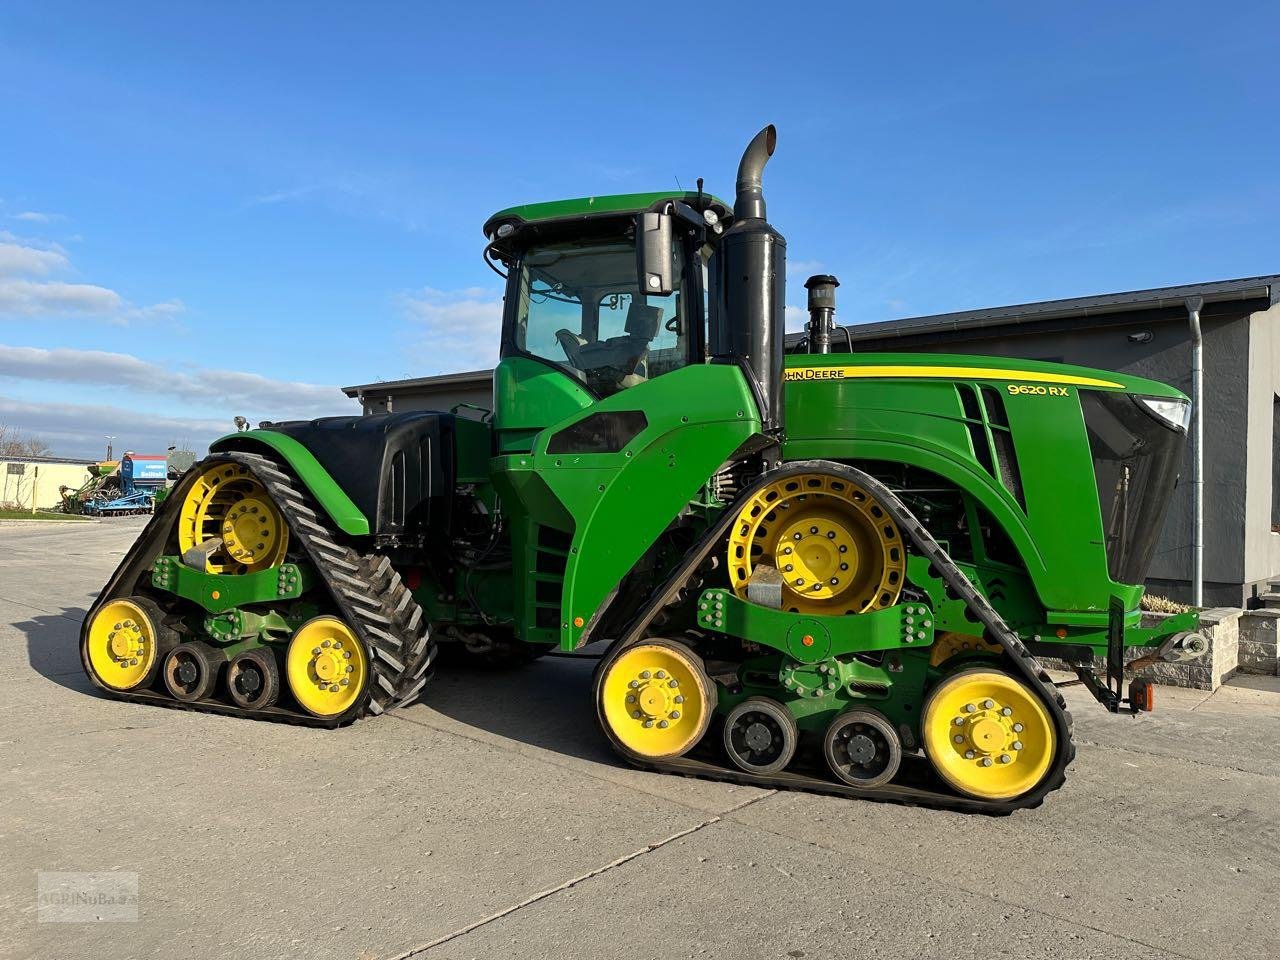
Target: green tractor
(820, 571)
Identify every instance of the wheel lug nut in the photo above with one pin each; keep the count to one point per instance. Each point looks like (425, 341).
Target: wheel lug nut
(674, 682)
(1017, 744)
(834, 581)
(959, 738)
(660, 675)
(346, 654)
(633, 684)
(796, 536)
(1006, 712)
(969, 708)
(813, 529)
(327, 643)
(969, 754)
(844, 566)
(1017, 728)
(675, 714)
(959, 721)
(788, 568)
(988, 704)
(843, 548)
(662, 724)
(344, 681)
(631, 698)
(986, 761)
(678, 699)
(315, 652)
(648, 723)
(635, 714)
(1005, 758)
(831, 534)
(645, 674)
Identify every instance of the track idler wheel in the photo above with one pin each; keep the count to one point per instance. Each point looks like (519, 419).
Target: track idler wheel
(862, 748)
(654, 699)
(253, 679)
(127, 641)
(327, 667)
(191, 671)
(988, 735)
(760, 735)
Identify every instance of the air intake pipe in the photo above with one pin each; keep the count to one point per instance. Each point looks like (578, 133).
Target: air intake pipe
(748, 316)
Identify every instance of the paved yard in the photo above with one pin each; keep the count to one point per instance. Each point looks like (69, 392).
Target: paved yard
(491, 821)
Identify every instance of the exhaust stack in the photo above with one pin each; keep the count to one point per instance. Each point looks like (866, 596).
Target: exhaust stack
(748, 320)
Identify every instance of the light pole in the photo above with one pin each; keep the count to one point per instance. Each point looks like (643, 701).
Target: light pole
(109, 439)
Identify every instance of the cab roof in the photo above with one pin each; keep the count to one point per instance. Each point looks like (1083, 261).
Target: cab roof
(614, 204)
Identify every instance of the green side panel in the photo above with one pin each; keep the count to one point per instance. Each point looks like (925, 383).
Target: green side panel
(217, 593)
(812, 638)
(903, 417)
(593, 206)
(529, 396)
(331, 497)
(616, 505)
(473, 446)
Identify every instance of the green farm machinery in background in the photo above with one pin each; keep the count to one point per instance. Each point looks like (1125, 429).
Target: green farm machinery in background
(818, 570)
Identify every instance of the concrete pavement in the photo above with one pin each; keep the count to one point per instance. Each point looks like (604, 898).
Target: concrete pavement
(491, 821)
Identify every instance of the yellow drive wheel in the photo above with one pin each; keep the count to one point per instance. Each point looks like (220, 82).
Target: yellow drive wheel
(655, 699)
(228, 503)
(835, 547)
(988, 735)
(326, 667)
(123, 643)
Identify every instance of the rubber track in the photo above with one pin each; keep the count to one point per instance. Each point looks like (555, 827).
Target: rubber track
(369, 594)
(926, 790)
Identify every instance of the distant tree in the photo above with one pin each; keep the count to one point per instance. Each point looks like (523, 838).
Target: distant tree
(15, 444)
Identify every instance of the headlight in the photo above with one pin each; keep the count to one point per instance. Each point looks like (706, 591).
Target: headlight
(1176, 413)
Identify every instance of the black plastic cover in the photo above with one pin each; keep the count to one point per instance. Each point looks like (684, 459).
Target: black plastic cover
(398, 468)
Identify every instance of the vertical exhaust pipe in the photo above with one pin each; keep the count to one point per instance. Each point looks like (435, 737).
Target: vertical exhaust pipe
(748, 316)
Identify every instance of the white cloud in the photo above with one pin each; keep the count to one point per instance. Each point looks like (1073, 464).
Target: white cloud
(797, 317)
(17, 260)
(232, 391)
(30, 298)
(459, 328)
(78, 430)
(22, 295)
(35, 216)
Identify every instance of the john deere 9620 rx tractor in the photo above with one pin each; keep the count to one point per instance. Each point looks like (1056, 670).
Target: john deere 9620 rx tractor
(824, 571)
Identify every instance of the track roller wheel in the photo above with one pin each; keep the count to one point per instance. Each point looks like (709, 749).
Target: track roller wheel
(862, 748)
(988, 735)
(760, 735)
(654, 699)
(327, 667)
(191, 671)
(253, 679)
(127, 640)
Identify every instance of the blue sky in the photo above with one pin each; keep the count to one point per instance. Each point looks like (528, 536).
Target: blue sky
(209, 210)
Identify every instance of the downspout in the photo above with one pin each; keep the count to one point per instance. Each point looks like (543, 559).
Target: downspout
(1194, 305)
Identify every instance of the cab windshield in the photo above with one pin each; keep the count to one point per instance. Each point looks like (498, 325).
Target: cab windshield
(578, 305)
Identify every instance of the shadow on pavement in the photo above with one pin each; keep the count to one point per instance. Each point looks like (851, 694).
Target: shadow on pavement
(53, 648)
(546, 704)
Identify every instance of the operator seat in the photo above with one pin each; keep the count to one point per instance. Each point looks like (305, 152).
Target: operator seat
(626, 353)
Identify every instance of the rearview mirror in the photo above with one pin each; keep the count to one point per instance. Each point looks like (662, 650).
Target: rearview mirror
(654, 261)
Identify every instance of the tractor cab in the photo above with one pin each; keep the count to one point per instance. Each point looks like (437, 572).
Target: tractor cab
(606, 292)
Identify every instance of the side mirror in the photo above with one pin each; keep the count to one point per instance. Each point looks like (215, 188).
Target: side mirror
(654, 261)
